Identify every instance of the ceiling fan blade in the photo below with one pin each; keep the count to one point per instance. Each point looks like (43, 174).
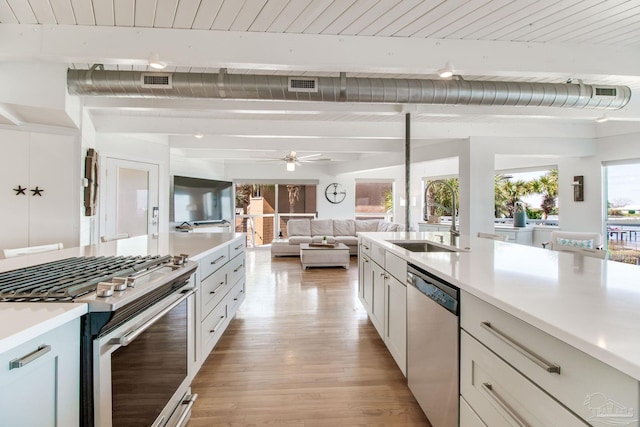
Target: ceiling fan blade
(308, 156)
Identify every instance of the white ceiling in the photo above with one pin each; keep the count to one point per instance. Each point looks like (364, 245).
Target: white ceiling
(597, 41)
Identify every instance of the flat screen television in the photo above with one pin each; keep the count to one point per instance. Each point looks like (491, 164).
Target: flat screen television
(201, 201)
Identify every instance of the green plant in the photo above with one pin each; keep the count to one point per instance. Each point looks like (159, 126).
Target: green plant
(439, 197)
(388, 201)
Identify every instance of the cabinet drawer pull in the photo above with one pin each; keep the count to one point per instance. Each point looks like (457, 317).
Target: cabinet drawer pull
(517, 419)
(366, 247)
(216, 289)
(188, 401)
(237, 269)
(25, 360)
(220, 258)
(238, 247)
(535, 358)
(215, 328)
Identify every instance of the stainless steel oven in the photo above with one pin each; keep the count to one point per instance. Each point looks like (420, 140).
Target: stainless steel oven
(136, 339)
(141, 370)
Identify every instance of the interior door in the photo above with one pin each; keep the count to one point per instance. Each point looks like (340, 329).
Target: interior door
(131, 198)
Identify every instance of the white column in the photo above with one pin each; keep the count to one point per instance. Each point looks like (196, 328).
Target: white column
(477, 194)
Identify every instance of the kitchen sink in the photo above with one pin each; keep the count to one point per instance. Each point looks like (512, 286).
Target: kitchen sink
(423, 246)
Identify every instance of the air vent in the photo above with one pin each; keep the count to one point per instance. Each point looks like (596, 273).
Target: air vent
(157, 81)
(605, 91)
(300, 84)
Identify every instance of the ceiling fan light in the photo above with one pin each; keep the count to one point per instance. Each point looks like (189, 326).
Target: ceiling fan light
(291, 165)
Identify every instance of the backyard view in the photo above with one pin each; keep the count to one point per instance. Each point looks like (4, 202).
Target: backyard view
(538, 191)
(623, 212)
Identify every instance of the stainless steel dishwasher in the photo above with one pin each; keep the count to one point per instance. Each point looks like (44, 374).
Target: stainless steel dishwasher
(433, 346)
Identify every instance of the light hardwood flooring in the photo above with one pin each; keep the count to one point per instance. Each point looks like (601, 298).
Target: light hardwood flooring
(301, 352)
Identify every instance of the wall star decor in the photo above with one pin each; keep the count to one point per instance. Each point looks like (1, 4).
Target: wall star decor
(37, 191)
(20, 190)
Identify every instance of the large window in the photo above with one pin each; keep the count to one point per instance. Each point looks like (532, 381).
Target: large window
(263, 209)
(623, 211)
(537, 190)
(374, 199)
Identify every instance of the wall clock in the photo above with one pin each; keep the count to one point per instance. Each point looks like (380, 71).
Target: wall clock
(335, 193)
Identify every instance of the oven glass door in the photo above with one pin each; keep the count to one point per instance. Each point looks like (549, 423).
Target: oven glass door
(146, 373)
(138, 382)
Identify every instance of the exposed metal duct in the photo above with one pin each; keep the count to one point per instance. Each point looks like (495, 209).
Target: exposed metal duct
(97, 82)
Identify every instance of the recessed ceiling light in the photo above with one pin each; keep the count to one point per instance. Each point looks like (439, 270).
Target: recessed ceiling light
(603, 118)
(199, 135)
(447, 71)
(155, 63)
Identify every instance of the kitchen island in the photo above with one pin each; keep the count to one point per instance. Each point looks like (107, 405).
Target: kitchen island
(40, 341)
(580, 307)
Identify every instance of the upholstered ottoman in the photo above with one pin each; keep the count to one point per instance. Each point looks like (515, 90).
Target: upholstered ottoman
(324, 255)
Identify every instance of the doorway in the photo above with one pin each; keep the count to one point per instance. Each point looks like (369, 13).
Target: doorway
(132, 194)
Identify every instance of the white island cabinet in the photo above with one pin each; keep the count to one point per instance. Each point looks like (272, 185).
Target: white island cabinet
(40, 364)
(220, 279)
(547, 338)
(382, 290)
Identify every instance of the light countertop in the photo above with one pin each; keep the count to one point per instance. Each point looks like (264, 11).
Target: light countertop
(20, 322)
(591, 304)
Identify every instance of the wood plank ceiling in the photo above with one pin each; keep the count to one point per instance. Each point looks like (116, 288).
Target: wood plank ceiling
(613, 23)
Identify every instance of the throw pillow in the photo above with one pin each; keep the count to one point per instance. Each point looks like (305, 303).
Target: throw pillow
(299, 227)
(344, 227)
(322, 227)
(367, 225)
(584, 244)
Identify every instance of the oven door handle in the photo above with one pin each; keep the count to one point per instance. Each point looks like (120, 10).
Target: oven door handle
(130, 336)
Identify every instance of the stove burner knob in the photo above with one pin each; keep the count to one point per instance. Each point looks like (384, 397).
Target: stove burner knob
(180, 259)
(104, 289)
(119, 283)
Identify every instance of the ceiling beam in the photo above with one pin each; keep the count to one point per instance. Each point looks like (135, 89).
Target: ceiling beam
(210, 49)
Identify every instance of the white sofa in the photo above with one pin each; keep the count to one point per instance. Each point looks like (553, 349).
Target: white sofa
(336, 230)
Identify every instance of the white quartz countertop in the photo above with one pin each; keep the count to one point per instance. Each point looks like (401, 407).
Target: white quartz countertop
(20, 322)
(196, 245)
(591, 304)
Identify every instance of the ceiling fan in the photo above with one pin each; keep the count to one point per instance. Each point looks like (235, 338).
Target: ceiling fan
(292, 159)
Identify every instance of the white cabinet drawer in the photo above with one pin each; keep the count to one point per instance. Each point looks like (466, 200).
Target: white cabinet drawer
(214, 261)
(212, 328)
(528, 349)
(237, 247)
(468, 418)
(235, 270)
(503, 397)
(377, 254)
(396, 266)
(365, 247)
(213, 289)
(235, 298)
(40, 379)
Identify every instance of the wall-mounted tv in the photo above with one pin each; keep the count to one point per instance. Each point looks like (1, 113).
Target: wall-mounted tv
(201, 201)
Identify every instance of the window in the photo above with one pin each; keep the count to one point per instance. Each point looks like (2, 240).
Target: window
(263, 209)
(537, 189)
(374, 199)
(623, 211)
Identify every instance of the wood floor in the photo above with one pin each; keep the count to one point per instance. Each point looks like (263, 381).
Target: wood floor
(301, 352)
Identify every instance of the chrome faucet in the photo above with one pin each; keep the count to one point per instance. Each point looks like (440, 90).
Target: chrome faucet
(454, 229)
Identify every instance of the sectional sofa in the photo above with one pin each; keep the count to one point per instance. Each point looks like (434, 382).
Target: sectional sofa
(335, 230)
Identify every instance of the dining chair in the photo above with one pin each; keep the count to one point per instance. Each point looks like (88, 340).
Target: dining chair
(500, 237)
(114, 237)
(10, 253)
